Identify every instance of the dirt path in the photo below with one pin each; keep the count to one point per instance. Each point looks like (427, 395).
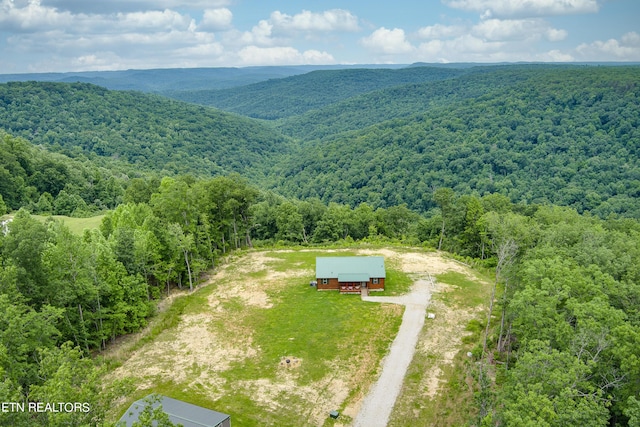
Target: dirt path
(378, 404)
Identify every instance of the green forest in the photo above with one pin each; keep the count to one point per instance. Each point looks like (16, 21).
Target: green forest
(529, 172)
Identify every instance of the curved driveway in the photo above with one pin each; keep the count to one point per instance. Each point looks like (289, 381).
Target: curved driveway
(378, 404)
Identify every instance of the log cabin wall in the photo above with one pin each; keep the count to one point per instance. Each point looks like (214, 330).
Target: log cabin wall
(379, 286)
(331, 285)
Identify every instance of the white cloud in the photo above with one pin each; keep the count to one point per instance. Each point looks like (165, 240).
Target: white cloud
(160, 38)
(465, 49)
(555, 35)
(440, 31)
(216, 19)
(115, 6)
(197, 52)
(517, 29)
(283, 55)
(282, 29)
(31, 16)
(97, 61)
(555, 56)
(387, 41)
(260, 34)
(631, 39)
(471, 48)
(625, 49)
(497, 8)
(327, 21)
(152, 20)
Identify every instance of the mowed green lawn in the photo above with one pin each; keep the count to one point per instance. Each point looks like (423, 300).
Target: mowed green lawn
(333, 336)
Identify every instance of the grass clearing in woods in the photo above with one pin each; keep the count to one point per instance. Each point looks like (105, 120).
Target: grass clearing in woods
(334, 343)
(465, 291)
(225, 346)
(76, 225)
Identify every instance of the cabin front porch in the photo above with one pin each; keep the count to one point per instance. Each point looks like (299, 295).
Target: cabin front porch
(352, 287)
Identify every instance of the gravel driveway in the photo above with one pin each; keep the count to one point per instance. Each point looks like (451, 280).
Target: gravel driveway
(378, 404)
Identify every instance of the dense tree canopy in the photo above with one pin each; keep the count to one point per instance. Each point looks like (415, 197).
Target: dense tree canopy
(51, 183)
(138, 130)
(292, 96)
(566, 136)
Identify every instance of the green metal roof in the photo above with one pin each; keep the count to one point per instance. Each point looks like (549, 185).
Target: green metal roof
(350, 268)
(354, 277)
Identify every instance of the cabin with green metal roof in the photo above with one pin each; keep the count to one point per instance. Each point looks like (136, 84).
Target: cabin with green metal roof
(351, 274)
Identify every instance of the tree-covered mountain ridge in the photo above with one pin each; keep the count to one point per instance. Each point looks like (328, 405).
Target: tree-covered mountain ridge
(291, 96)
(142, 131)
(565, 136)
(404, 100)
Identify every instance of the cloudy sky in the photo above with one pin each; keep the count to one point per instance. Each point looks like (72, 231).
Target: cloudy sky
(85, 35)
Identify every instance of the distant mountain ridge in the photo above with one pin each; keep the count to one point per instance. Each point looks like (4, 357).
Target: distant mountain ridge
(294, 95)
(176, 79)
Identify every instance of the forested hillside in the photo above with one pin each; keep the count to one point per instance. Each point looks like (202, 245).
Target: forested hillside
(141, 131)
(51, 183)
(377, 106)
(566, 136)
(292, 96)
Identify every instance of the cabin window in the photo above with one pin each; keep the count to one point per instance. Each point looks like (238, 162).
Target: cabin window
(374, 281)
(324, 281)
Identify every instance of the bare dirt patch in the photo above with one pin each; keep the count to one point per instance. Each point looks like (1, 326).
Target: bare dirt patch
(190, 354)
(277, 395)
(252, 291)
(442, 341)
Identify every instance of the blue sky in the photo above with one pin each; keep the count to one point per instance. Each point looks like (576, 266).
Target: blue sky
(86, 35)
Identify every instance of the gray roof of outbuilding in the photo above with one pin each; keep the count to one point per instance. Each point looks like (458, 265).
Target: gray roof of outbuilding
(332, 267)
(179, 412)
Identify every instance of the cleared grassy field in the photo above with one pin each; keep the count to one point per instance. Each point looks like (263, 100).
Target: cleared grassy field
(76, 225)
(229, 349)
(226, 346)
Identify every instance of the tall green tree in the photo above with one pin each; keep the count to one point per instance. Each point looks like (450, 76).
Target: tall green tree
(23, 246)
(289, 223)
(444, 198)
